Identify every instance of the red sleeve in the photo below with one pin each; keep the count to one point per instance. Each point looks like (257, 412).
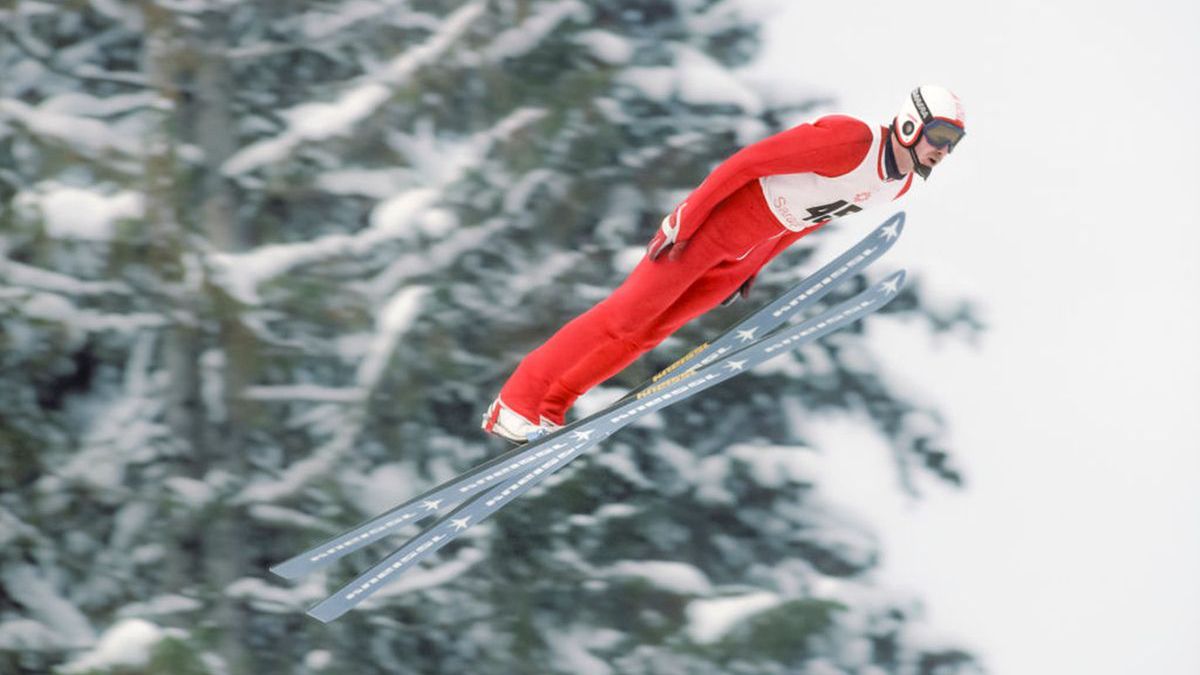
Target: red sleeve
(831, 146)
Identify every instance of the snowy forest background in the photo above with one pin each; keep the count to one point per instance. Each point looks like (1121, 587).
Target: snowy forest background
(266, 263)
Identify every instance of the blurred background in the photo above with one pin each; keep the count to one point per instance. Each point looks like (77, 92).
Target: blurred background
(266, 263)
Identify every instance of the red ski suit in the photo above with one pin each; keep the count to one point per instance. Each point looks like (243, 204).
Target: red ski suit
(747, 211)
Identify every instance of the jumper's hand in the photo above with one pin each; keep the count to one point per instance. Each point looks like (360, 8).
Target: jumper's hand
(742, 292)
(664, 240)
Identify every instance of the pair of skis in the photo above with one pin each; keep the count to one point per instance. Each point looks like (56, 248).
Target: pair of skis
(483, 490)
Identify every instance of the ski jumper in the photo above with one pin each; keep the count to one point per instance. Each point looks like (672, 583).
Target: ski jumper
(747, 211)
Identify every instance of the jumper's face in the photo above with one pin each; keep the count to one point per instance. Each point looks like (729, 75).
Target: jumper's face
(929, 155)
(937, 140)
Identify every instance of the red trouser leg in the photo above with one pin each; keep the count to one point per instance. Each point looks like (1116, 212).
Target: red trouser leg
(708, 291)
(655, 300)
(606, 338)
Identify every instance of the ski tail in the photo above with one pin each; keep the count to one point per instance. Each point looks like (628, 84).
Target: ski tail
(430, 503)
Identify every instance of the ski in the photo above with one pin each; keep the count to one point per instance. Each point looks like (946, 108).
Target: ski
(752, 328)
(572, 443)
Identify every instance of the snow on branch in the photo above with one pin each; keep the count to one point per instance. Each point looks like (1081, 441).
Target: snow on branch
(304, 392)
(241, 274)
(49, 58)
(321, 464)
(58, 309)
(84, 135)
(695, 79)
(429, 577)
(125, 647)
(709, 619)
(533, 31)
(396, 318)
(67, 212)
(13, 273)
(42, 602)
(321, 121)
(397, 218)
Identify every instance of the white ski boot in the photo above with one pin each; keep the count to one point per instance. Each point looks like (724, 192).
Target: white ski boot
(506, 423)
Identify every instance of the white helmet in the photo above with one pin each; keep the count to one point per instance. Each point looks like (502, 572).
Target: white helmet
(933, 108)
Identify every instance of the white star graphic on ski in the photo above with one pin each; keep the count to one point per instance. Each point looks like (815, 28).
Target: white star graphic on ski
(431, 504)
(891, 286)
(891, 231)
(461, 524)
(747, 335)
(735, 366)
(583, 435)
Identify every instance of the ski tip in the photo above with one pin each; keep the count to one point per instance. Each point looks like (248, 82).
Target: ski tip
(891, 228)
(893, 282)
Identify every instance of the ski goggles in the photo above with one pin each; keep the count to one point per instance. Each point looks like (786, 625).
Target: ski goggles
(943, 134)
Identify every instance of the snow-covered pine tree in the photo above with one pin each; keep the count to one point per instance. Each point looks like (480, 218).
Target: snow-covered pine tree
(267, 262)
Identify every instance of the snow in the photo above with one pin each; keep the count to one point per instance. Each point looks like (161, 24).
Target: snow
(775, 466)
(161, 605)
(655, 83)
(319, 464)
(304, 392)
(212, 384)
(81, 104)
(704, 81)
(617, 511)
(439, 256)
(628, 258)
(399, 216)
(385, 487)
(532, 32)
(711, 474)
(271, 514)
(77, 213)
(376, 183)
(318, 659)
(523, 190)
(612, 49)
(79, 133)
(130, 522)
(320, 121)
(695, 79)
(266, 597)
(194, 493)
(12, 527)
(674, 577)
(57, 309)
(397, 317)
(125, 430)
(25, 585)
(321, 24)
(18, 274)
(242, 273)
(424, 578)
(620, 463)
(28, 635)
(710, 619)
(127, 644)
(572, 651)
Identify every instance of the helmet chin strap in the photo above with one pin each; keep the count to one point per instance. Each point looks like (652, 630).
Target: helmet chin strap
(922, 170)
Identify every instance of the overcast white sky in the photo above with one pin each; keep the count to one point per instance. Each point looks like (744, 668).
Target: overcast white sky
(1069, 214)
